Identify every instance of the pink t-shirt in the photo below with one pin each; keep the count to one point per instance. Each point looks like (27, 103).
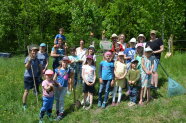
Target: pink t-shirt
(46, 83)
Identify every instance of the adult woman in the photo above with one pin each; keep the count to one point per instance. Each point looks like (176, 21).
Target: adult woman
(157, 46)
(141, 39)
(80, 52)
(122, 41)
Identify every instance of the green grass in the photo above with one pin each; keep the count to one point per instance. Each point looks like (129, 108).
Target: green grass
(163, 109)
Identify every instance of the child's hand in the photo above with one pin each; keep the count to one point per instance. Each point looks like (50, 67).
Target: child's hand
(100, 80)
(132, 82)
(112, 83)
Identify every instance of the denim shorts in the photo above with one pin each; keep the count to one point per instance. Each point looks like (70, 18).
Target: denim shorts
(29, 82)
(156, 63)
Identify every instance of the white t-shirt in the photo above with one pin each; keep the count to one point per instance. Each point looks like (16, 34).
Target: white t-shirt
(89, 72)
(81, 52)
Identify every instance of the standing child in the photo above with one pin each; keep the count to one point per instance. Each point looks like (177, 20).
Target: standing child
(139, 55)
(62, 74)
(89, 77)
(133, 77)
(60, 35)
(32, 72)
(146, 74)
(106, 78)
(48, 94)
(120, 71)
(130, 52)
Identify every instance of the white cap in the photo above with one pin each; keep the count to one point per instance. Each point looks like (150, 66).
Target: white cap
(114, 35)
(133, 40)
(148, 49)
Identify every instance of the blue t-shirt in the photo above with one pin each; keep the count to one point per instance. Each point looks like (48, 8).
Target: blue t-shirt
(62, 76)
(43, 57)
(35, 65)
(130, 52)
(106, 71)
(59, 51)
(60, 36)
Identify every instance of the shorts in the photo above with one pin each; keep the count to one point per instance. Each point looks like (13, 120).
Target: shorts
(29, 82)
(87, 88)
(156, 63)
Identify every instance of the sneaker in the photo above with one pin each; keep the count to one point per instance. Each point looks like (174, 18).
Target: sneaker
(152, 87)
(58, 118)
(132, 104)
(68, 92)
(87, 108)
(103, 105)
(113, 104)
(84, 107)
(24, 107)
(99, 104)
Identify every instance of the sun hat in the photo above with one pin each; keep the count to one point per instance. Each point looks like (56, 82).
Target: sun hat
(34, 48)
(153, 32)
(89, 57)
(121, 54)
(148, 49)
(141, 35)
(49, 72)
(65, 58)
(42, 45)
(132, 40)
(134, 61)
(108, 53)
(139, 45)
(114, 36)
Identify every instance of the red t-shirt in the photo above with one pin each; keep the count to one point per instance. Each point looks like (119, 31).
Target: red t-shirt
(120, 47)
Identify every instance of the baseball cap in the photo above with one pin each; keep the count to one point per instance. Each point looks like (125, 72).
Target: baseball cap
(42, 45)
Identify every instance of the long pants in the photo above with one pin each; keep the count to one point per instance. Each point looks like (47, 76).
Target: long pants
(105, 86)
(59, 95)
(133, 95)
(47, 106)
(115, 92)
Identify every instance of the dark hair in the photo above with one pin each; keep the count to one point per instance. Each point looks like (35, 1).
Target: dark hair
(82, 40)
(60, 39)
(93, 63)
(140, 50)
(72, 49)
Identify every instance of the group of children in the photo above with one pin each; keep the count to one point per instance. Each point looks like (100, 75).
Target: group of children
(130, 68)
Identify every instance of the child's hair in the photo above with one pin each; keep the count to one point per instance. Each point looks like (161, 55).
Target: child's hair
(61, 29)
(121, 35)
(91, 64)
(122, 58)
(132, 63)
(87, 53)
(73, 49)
(140, 50)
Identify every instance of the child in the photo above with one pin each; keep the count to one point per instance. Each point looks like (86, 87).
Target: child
(133, 77)
(48, 94)
(146, 74)
(32, 72)
(130, 52)
(139, 55)
(90, 51)
(73, 66)
(60, 35)
(62, 74)
(117, 50)
(106, 78)
(120, 72)
(89, 77)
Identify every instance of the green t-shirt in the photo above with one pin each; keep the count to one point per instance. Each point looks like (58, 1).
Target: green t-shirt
(133, 75)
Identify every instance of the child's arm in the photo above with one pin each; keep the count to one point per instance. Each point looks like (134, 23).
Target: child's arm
(82, 74)
(94, 78)
(122, 77)
(127, 77)
(143, 66)
(100, 73)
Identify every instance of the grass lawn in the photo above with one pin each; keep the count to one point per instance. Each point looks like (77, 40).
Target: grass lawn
(162, 109)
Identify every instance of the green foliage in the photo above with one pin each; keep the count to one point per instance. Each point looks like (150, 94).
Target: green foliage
(26, 21)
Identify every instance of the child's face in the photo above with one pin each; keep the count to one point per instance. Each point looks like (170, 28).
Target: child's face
(64, 64)
(132, 44)
(148, 54)
(61, 32)
(89, 61)
(34, 53)
(60, 42)
(141, 39)
(120, 57)
(108, 57)
(42, 48)
(134, 65)
(117, 48)
(49, 77)
(73, 52)
(90, 51)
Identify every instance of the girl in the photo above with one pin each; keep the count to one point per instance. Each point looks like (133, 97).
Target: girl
(90, 51)
(139, 55)
(146, 74)
(133, 77)
(31, 74)
(120, 71)
(48, 94)
(106, 78)
(89, 77)
(62, 74)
